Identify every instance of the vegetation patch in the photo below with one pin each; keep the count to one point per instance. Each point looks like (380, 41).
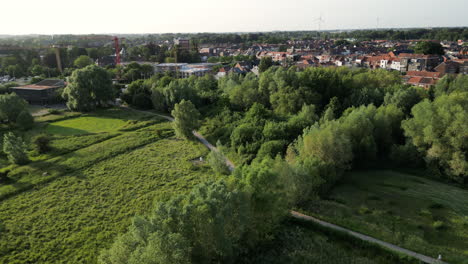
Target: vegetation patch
(426, 218)
(84, 125)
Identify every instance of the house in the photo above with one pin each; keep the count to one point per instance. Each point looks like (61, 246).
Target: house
(43, 92)
(450, 67)
(183, 44)
(424, 82)
(417, 62)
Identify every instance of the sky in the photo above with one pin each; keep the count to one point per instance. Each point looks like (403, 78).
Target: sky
(162, 16)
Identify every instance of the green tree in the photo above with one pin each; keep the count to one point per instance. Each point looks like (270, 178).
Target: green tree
(429, 47)
(217, 160)
(89, 88)
(82, 61)
(438, 129)
(15, 149)
(186, 119)
(205, 226)
(42, 143)
(25, 120)
(265, 64)
(11, 105)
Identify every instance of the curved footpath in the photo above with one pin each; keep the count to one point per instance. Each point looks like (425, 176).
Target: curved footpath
(384, 244)
(300, 216)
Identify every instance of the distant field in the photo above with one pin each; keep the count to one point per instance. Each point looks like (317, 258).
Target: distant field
(416, 213)
(70, 204)
(84, 125)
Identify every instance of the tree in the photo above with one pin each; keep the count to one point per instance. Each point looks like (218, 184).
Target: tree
(89, 88)
(404, 98)
(429, 47)
(265, 64)
(15, 149)
(41, 143)
(25, 120)
(438, 129)
(11, 105)
(205, 226)
(217, 160)
(142, 101)
(82, 61)
(186, 119)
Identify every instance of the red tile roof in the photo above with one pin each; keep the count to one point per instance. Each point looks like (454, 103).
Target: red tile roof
(436, 75)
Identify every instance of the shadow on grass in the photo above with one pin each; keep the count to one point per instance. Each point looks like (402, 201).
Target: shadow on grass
(67, 131)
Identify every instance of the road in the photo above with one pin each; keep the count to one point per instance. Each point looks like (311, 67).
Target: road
(298, 215)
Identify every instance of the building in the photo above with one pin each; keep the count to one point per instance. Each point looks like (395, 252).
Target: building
(185, 70)
(418, 62)
(43, 92)
(184, 44)
(450, 67)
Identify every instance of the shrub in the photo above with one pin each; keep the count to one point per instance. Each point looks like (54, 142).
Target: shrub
(54, 111)
(142, 101)
(25, 120)
(217, 161)
(364, 210)
(3, 176)
(436, 206)
(438, 225)
(42, 143)
(15, 148)
(425, 212)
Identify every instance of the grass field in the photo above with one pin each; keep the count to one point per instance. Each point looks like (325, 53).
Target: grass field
(85, 125)
(299, 242)
(70, 204)
(416, 213)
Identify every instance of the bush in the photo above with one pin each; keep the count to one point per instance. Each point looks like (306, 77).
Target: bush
(54, 111)
(142, 101)
(15, 148)
(364, 210)
(25, 120)
(217, 161)
(436, 206)
(41, 143)
(438, 225)
(3, 176)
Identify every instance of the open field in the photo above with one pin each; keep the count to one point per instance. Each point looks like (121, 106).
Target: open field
(413, 212)
(84, 125)
(93, 185)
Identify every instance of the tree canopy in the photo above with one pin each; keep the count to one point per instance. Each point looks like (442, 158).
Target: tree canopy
(89, 88)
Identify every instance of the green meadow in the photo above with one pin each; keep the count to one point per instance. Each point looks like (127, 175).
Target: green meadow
(417, 213)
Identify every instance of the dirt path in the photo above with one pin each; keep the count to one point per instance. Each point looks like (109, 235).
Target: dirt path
(384, 244)
(298, 215)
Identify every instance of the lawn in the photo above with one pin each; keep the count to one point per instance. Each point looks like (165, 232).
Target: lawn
(85, 125)
(423, 215)
(68, 206)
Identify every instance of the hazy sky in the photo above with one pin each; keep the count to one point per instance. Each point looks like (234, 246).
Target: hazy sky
(155, 16)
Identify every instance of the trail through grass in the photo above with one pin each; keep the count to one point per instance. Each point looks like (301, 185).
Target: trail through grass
(422, 215)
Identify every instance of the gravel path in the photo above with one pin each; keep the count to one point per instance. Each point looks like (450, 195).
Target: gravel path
(384, 244)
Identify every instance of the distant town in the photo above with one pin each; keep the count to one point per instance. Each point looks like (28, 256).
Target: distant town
(27, 60)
